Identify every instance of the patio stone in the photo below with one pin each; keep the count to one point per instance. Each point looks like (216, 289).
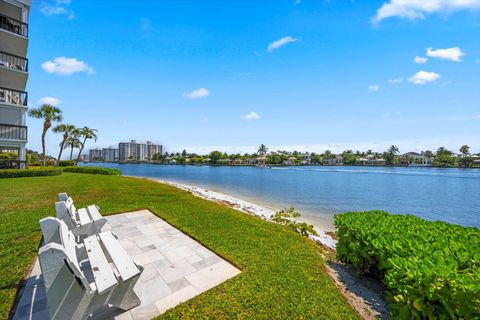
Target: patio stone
(176, 269)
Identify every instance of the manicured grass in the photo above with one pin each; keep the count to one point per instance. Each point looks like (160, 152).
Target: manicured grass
(282, 275)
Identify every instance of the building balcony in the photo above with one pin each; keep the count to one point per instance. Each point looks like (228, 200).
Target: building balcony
(13, 132)
(13, 36)
(13, 97)
(13, 71)
(13, 25)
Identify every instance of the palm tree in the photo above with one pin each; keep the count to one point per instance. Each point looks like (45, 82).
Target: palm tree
(86, 133)
(262, 150)
(73, 141)
(48, 113)
(67, 130)
(391, 155)
(393, 150)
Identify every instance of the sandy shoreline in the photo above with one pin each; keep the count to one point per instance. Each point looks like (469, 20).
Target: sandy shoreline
(244, 206)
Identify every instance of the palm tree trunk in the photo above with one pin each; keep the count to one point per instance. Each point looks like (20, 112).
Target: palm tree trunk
(81, 149)
(43, 144)
(61, 150)
(71, 152)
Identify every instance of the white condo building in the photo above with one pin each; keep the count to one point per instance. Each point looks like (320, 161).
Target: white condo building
(110, 154)
(13, 80)
(134, 151)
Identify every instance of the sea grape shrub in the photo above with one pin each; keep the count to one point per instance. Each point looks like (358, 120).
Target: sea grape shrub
(66, 163)
(431, 269)
(286, 217)
(93, 170)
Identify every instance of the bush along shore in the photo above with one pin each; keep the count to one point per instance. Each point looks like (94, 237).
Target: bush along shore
(55, 171)
(431, 270)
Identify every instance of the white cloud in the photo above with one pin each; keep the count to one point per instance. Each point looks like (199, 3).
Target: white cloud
(57, 8)
(420, 60)
(66, 66)
(395, 81)
(49, 100)
(374, 87)
(281, 42)
(453, 54)
(417, 9)
(423, 77)
(251, 116)
(197, 94)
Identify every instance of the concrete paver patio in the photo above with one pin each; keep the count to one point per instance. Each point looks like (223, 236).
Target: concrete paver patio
(177, 268)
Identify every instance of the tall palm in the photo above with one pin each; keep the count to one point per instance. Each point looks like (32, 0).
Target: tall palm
(67, 130)
(393, 150)
(86, 133)
(262, 150)
(73, 142)
(48, 113)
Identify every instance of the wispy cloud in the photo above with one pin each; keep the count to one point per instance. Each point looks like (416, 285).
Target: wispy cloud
(66, 66)
(197, 94)
(418, 9)
(146, 26)
(395, 81)
(423, 77)
(452, 54)
(420, 60)
(57, 8)
(374, 88)
(49, 100)
(280, 43)
(251, 116)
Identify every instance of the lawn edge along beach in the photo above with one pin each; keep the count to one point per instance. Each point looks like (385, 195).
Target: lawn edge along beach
(282, 275)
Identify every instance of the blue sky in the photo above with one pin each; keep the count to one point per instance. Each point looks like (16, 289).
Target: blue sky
(231, 75)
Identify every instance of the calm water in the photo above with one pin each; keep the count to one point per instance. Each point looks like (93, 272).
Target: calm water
(452, 195)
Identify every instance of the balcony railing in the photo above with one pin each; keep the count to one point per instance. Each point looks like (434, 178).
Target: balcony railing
(14, 62)
(13, 132)
(13, 96)
(13, 25)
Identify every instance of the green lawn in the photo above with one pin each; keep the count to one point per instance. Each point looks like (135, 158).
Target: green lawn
(282, 275)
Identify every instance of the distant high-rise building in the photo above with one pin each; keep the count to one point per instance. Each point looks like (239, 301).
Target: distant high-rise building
(95, 155)
(110, 154)
(13, 80)
(124, 151)
(153, 149)
(134, 151)
(141, 154)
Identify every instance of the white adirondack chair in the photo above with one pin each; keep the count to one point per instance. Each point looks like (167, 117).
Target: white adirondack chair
(84, 221)
(80, 279)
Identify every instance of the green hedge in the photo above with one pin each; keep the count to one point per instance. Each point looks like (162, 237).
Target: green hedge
(93, 170)
(19, 173)
(66, 163)
(431, 270)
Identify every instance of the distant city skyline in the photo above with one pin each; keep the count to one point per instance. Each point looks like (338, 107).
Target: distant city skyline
(294, 75)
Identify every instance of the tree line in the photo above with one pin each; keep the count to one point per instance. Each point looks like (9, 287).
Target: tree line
(442, 157)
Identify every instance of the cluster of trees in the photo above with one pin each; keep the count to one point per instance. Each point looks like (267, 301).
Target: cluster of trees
(441, 158)
(72, 137)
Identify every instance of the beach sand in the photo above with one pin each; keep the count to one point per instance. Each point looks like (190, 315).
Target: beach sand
(247, 207)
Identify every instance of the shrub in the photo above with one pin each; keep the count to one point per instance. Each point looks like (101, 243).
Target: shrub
(37, 172)
(286, 218)
(431, 269)
(66, 163)
(93, 170)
